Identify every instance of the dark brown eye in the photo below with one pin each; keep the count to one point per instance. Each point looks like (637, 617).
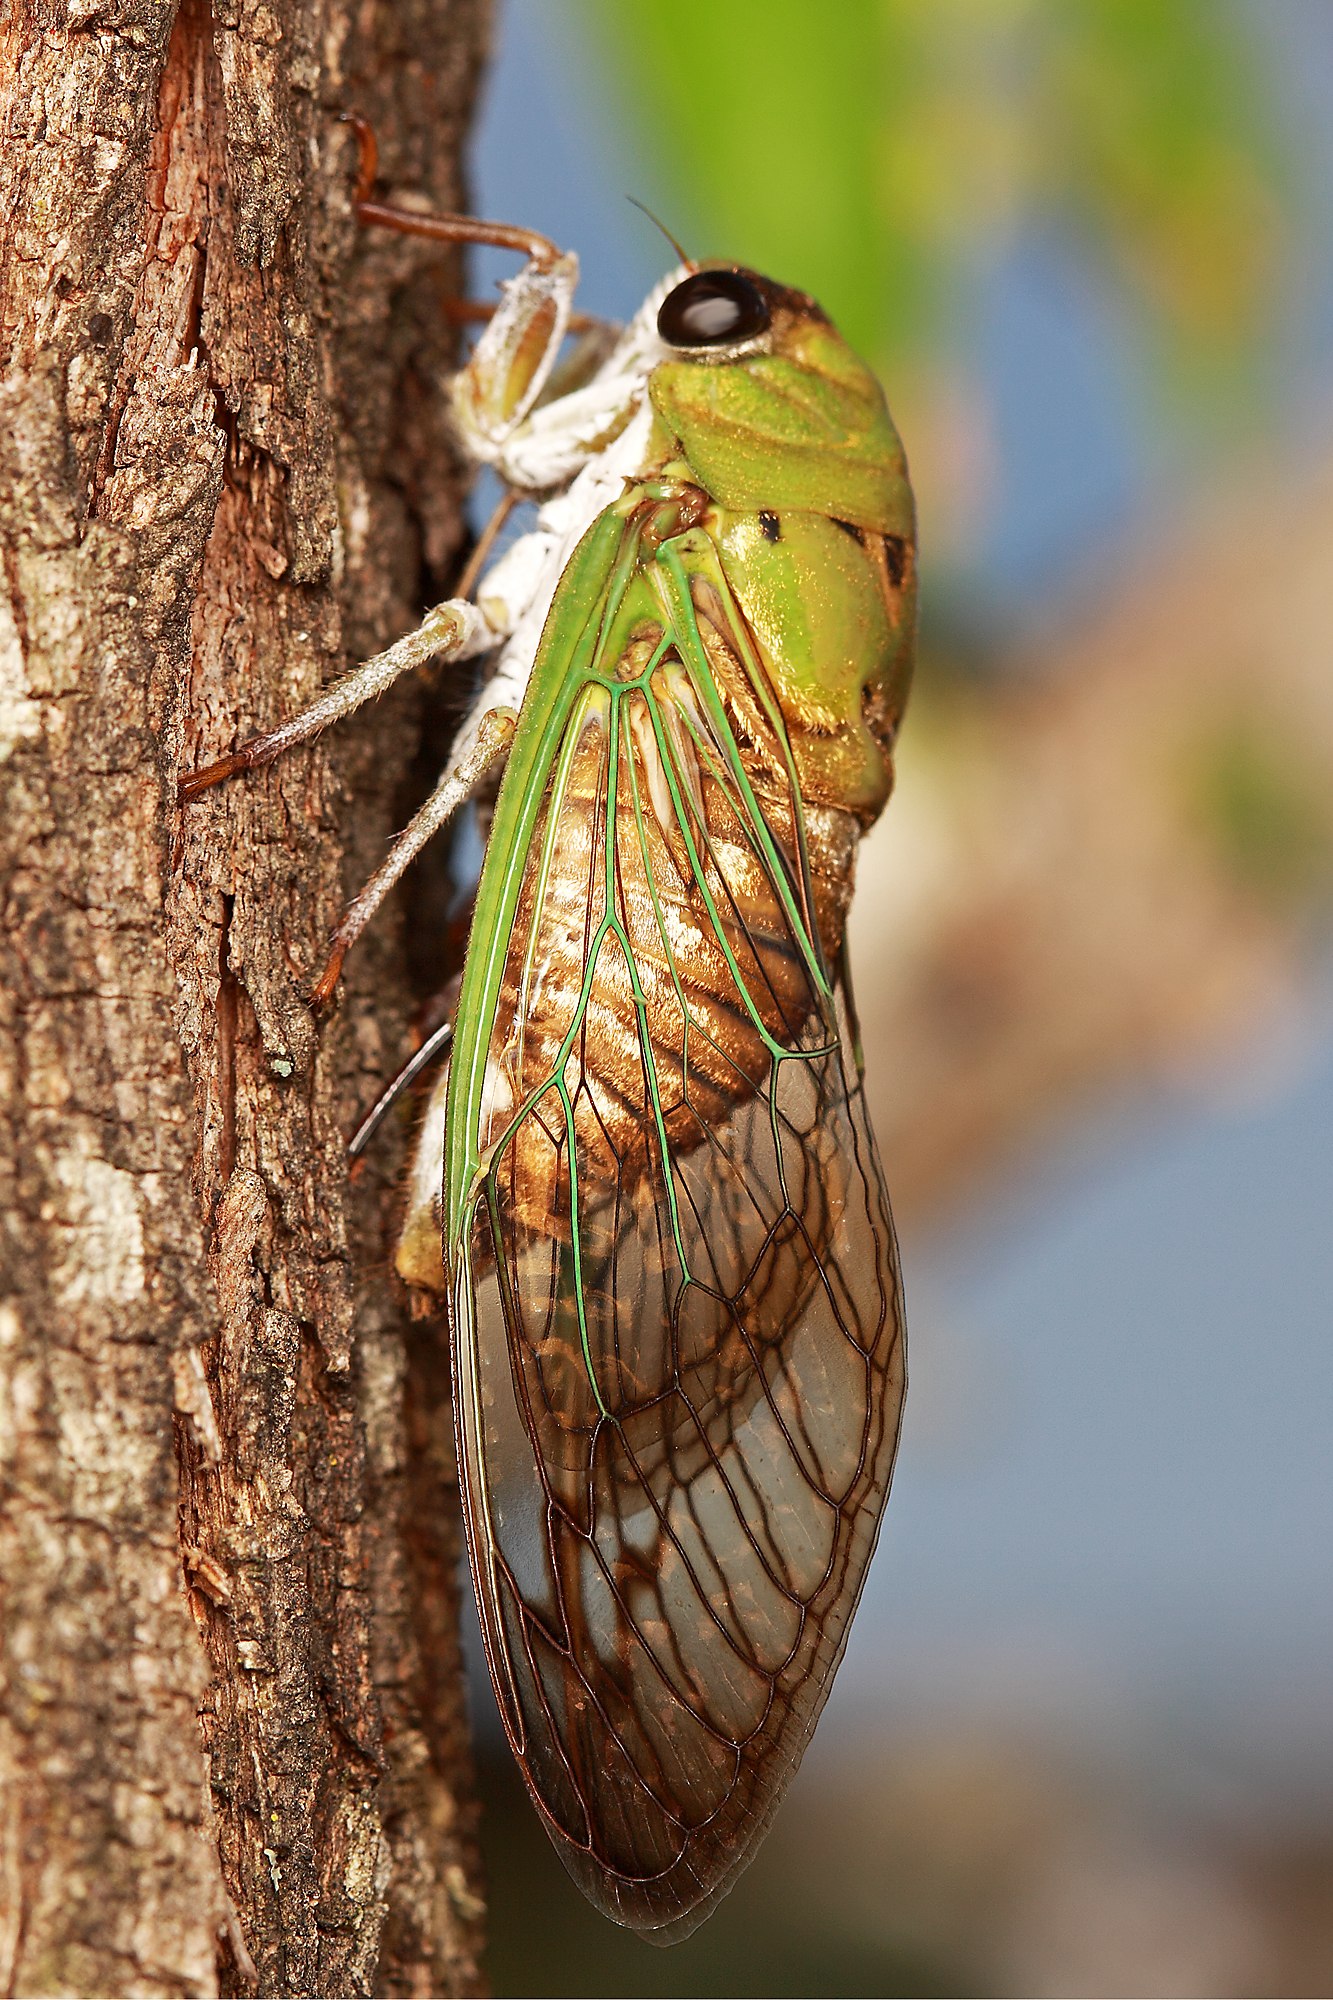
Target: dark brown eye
(712, 309)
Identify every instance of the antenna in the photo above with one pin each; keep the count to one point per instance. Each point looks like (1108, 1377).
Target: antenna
(657, 221)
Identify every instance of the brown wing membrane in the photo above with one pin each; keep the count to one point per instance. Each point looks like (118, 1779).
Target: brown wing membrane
(681, 1359)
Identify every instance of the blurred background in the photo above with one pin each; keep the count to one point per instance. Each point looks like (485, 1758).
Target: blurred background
(1082, 1741)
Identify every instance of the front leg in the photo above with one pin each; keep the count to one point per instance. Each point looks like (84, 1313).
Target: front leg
(510, 365)
(536, 413)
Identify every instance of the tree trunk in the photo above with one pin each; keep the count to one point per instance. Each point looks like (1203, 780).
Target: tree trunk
(232, 1740)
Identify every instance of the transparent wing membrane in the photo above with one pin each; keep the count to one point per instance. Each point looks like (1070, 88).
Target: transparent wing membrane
(677, 1304)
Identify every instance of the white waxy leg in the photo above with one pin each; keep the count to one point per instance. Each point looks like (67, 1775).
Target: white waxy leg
(453, 630)
(512, 361)
(495, 733)
(419, 1257)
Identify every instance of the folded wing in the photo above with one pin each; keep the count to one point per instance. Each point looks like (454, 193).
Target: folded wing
(677, 1306)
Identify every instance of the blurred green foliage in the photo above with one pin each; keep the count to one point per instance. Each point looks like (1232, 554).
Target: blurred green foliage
(1265, 808)
(875, 150)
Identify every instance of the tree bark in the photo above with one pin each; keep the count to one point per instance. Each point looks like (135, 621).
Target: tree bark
(232, 1742)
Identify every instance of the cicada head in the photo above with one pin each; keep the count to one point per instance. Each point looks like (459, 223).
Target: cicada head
(780, 422)
(772, 408)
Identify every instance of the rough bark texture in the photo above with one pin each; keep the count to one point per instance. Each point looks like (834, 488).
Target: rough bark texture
(232, 1746)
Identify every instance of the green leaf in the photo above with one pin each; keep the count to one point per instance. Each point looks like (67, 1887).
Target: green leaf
(876, 151)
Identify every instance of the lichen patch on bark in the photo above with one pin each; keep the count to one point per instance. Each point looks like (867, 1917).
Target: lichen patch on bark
(96, 1234)
(20, 716)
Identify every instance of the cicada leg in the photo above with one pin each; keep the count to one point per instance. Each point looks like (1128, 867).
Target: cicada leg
(512, 361)
(452, 630)
(495, 733)
(440, 228)
(455, 629)
(492, 395)
(436, 1045)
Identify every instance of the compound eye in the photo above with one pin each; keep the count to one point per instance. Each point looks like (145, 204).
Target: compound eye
(712, 309)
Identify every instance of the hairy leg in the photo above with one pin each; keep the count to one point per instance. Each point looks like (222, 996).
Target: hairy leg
(453, 630)
(490, 747)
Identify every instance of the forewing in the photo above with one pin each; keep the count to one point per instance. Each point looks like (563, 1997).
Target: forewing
(679, 1324)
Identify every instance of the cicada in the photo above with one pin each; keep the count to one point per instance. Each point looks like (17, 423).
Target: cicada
(646, 1184)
